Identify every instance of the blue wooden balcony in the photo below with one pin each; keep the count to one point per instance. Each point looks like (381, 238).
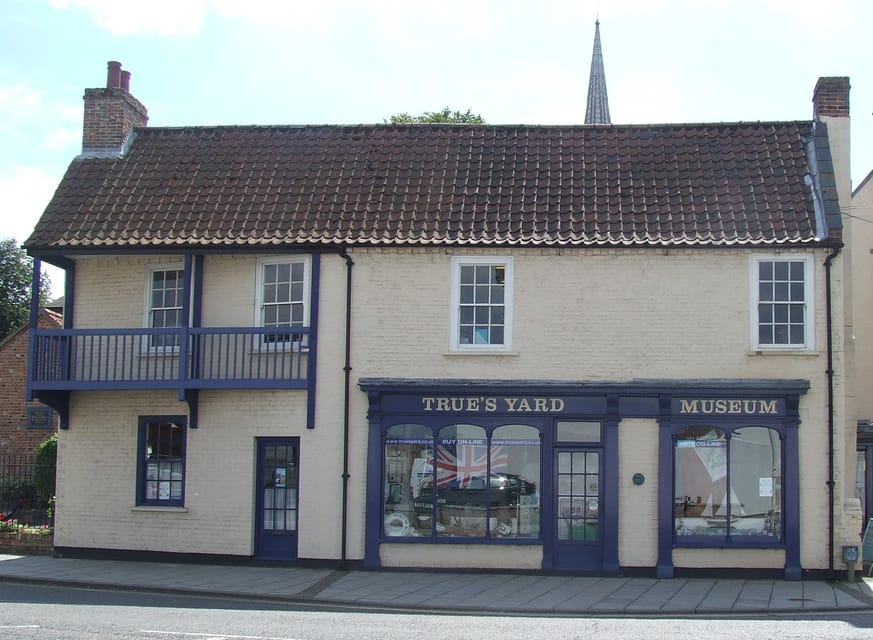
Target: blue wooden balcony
(179, 358)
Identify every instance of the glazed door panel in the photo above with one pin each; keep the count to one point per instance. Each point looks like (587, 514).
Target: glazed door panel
(277, 499)
(578, 526)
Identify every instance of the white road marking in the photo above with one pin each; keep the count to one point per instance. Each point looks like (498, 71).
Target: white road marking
(19, 626)
(210, 636)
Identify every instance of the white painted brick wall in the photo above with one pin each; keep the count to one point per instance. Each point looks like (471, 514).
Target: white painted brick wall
(587, 314)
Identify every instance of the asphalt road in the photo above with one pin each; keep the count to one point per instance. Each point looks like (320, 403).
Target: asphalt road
(41, 612)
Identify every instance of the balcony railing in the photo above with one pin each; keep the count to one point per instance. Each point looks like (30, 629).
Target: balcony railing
(187, 358)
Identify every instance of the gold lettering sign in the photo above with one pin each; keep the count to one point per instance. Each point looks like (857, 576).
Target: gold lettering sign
(729, 406)
(491, 404)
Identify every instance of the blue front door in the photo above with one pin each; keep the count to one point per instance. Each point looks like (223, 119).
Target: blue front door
(277, 499)
(578, 525)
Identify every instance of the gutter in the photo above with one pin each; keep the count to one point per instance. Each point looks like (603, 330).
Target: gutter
(347, 369)
(830, 375)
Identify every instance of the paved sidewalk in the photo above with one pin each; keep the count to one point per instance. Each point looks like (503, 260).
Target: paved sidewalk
(488, 593)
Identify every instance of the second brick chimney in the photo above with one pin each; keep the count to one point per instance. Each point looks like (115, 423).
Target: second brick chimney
(111, 115)
(831, 97)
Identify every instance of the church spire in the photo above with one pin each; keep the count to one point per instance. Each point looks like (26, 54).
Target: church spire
(597, 111)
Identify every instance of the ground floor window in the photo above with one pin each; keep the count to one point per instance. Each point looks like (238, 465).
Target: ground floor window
(728, 484)
(462, 481)
(161, 468)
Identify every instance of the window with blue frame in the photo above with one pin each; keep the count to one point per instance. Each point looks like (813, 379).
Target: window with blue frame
(161, 467)
(462, 482)
(728, 486)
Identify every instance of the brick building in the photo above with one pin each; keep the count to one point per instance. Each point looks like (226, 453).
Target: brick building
(23, 424)
(579, 348)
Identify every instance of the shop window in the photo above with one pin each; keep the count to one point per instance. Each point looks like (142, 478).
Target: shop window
(161, 468)
(164, 308)
(283, 298)
(482, 303)
(728, 485)
(461, 483)
(782, 303)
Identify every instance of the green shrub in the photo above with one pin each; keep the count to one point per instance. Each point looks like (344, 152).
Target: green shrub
(15, 494)
(45, 469)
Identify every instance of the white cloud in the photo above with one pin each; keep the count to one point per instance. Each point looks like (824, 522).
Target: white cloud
(60, 138)
(19, 99)
(26, 192)
(120, 17)
(285, 15)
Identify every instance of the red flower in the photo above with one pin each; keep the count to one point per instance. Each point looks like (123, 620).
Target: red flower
(2, 517)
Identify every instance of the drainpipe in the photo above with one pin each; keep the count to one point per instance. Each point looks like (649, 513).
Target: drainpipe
(347, 369)
(830, 374)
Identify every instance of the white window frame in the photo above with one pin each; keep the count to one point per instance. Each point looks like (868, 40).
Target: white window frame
(808, 302)
(455, 321)
(307, 286)
(151, 269)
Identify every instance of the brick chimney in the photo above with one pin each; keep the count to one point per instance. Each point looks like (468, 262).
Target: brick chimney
(831, 97)
(110, 115)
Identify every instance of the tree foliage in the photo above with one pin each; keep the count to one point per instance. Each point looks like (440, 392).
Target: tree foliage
(16, 273)
(446, 116)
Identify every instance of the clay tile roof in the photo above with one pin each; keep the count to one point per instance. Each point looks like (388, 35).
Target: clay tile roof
(714, 184)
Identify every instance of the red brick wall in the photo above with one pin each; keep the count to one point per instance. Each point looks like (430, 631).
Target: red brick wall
(831, 97)
(110, 115)
(15, 439)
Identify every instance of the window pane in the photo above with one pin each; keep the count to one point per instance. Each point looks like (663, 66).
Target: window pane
(497, 335)
(780, 312)
(297, 272)
(796, 335)
(467, 275)
(483, 274)
(466, 335)
(467, 315)
(296, 292)
(461, 488)
(765, 291)
(780, 291)
(482, 294)
(765, 270)
(700, 490)
(796, 292)
(756, 482)
(408, 481)
(797, 270)
(780, 270)
(578, 431)
(283, 272)
(467, 294)
(515, 478)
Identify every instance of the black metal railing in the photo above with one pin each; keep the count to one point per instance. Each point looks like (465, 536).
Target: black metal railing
(22, 500)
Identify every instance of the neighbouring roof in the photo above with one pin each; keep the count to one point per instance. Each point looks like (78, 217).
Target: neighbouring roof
(688, 184)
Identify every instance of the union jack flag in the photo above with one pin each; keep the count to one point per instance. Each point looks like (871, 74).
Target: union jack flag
(458, 463)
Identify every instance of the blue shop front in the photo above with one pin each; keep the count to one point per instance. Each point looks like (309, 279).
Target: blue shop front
(476, 462)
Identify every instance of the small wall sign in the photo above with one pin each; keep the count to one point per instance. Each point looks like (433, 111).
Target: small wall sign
(639, 479)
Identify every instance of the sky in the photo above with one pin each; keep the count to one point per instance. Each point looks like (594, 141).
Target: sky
(213, 62)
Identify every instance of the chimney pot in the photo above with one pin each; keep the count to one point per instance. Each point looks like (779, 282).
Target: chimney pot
(113, 75)
(125, 80)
